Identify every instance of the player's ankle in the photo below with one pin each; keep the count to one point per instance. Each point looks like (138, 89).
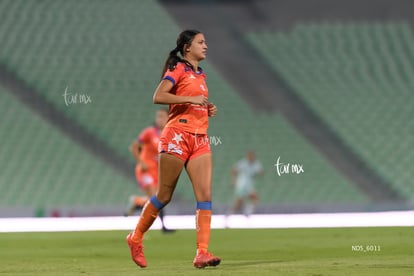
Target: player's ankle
(136, 238)
(201, 250)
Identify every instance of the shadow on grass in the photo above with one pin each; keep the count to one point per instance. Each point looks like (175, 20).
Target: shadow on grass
(239, 264)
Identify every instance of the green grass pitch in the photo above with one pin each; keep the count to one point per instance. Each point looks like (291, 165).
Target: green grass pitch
(243, 252)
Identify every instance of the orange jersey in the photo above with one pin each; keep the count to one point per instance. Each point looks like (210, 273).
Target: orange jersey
(188, 117)
(149, 139)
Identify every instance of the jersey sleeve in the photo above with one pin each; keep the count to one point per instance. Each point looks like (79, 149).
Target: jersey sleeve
(175, 74)
(144, 137)
(259, 167)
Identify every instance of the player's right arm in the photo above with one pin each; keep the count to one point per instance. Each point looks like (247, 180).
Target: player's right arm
(162, 95)
(135, 148)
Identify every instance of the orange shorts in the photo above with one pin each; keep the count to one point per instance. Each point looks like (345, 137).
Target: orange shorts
(147, 178)
(183, 144)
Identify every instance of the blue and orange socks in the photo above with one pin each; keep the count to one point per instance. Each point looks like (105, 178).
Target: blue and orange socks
(148, 216)
(203, 225)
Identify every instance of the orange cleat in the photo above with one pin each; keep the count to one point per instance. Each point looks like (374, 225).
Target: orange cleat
(137, 251)
(204, 259)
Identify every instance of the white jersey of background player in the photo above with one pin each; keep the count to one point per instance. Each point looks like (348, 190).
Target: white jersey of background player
(243, 174)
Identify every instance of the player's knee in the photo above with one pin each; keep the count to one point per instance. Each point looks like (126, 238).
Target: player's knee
(159, 204)
(150, 190)
(254, 197)
(164, 198)
(205, 196)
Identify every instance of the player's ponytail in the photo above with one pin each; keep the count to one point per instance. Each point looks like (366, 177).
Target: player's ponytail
(183, 41)
(172, 60)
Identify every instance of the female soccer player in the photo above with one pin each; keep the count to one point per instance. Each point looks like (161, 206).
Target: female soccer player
(145, 151)
(243, 173)
(183, 144)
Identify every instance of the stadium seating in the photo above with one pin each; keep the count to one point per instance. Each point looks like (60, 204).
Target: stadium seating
(113, 52)
(271, 136)
(358, 78)
(43, 168)
(104, 51)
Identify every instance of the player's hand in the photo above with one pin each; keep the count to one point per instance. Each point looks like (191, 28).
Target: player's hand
(212, 109)
(199, 100)
(144, 167)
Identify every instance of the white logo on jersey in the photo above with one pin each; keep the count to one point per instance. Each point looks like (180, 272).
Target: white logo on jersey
(192, 76)
(177, 138)
(174, 148)
(202, 87)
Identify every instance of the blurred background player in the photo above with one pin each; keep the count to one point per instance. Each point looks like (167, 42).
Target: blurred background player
(145, 151)
(243, 174)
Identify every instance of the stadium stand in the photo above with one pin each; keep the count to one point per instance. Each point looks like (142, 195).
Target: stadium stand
(91, 49)
(113, 52)
(272, 136)
(357, 77)
(43, 168)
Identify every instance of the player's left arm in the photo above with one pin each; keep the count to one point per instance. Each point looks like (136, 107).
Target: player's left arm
(212, 110)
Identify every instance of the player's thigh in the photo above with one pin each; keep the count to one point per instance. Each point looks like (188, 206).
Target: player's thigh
(241, 191)
(169, 171)
(238, 202)
(253, 195)
(199, 170)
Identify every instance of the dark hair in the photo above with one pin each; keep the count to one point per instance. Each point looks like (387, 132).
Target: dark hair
(184, 38)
